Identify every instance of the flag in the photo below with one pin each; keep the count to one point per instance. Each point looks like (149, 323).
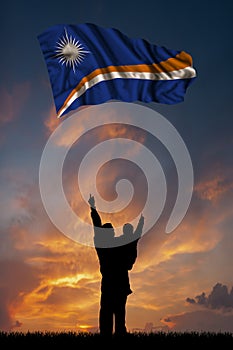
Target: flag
(88, 64)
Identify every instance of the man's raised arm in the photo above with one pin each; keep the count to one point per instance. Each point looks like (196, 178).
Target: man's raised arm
(96, 220)
(138, 231)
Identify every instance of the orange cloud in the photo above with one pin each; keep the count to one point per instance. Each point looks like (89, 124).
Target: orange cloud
(65, 283)
(52, 122)
(107, 131)
(213, 188)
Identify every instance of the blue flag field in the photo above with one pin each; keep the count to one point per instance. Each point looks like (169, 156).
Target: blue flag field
(88, 64)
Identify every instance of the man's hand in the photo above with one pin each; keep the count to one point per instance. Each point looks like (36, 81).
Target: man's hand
(91, 201)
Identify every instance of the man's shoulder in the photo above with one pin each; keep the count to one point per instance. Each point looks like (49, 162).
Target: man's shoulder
(125, 241)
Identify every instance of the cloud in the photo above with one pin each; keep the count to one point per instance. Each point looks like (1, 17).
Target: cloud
(20, 197)
(200, 321)
(214, 312)
(44, 275)
(106, 176)
(13, 101)
(214, 185)
(51, 122)
(79, 126)
(190, 300)
(219, 298)
(13, 288)
(172, 266)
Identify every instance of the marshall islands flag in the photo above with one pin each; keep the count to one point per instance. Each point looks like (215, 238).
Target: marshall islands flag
(88, 65)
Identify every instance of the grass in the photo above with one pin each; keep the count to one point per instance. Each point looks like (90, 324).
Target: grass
(134, 339)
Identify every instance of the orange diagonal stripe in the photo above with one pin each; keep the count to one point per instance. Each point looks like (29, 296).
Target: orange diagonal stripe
(180, 61)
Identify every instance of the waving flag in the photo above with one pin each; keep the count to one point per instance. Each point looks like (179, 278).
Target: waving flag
(89, 65)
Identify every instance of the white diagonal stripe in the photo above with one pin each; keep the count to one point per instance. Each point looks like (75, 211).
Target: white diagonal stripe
(184, 73)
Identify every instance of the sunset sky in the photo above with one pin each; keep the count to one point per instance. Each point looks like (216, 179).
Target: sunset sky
(180, 281)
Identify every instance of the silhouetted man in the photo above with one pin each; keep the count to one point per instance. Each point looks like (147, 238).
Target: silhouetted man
(116, 257)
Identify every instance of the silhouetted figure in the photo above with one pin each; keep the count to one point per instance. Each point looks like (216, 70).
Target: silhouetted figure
(116, 257)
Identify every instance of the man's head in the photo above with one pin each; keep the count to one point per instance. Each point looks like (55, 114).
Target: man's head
(128, 229)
